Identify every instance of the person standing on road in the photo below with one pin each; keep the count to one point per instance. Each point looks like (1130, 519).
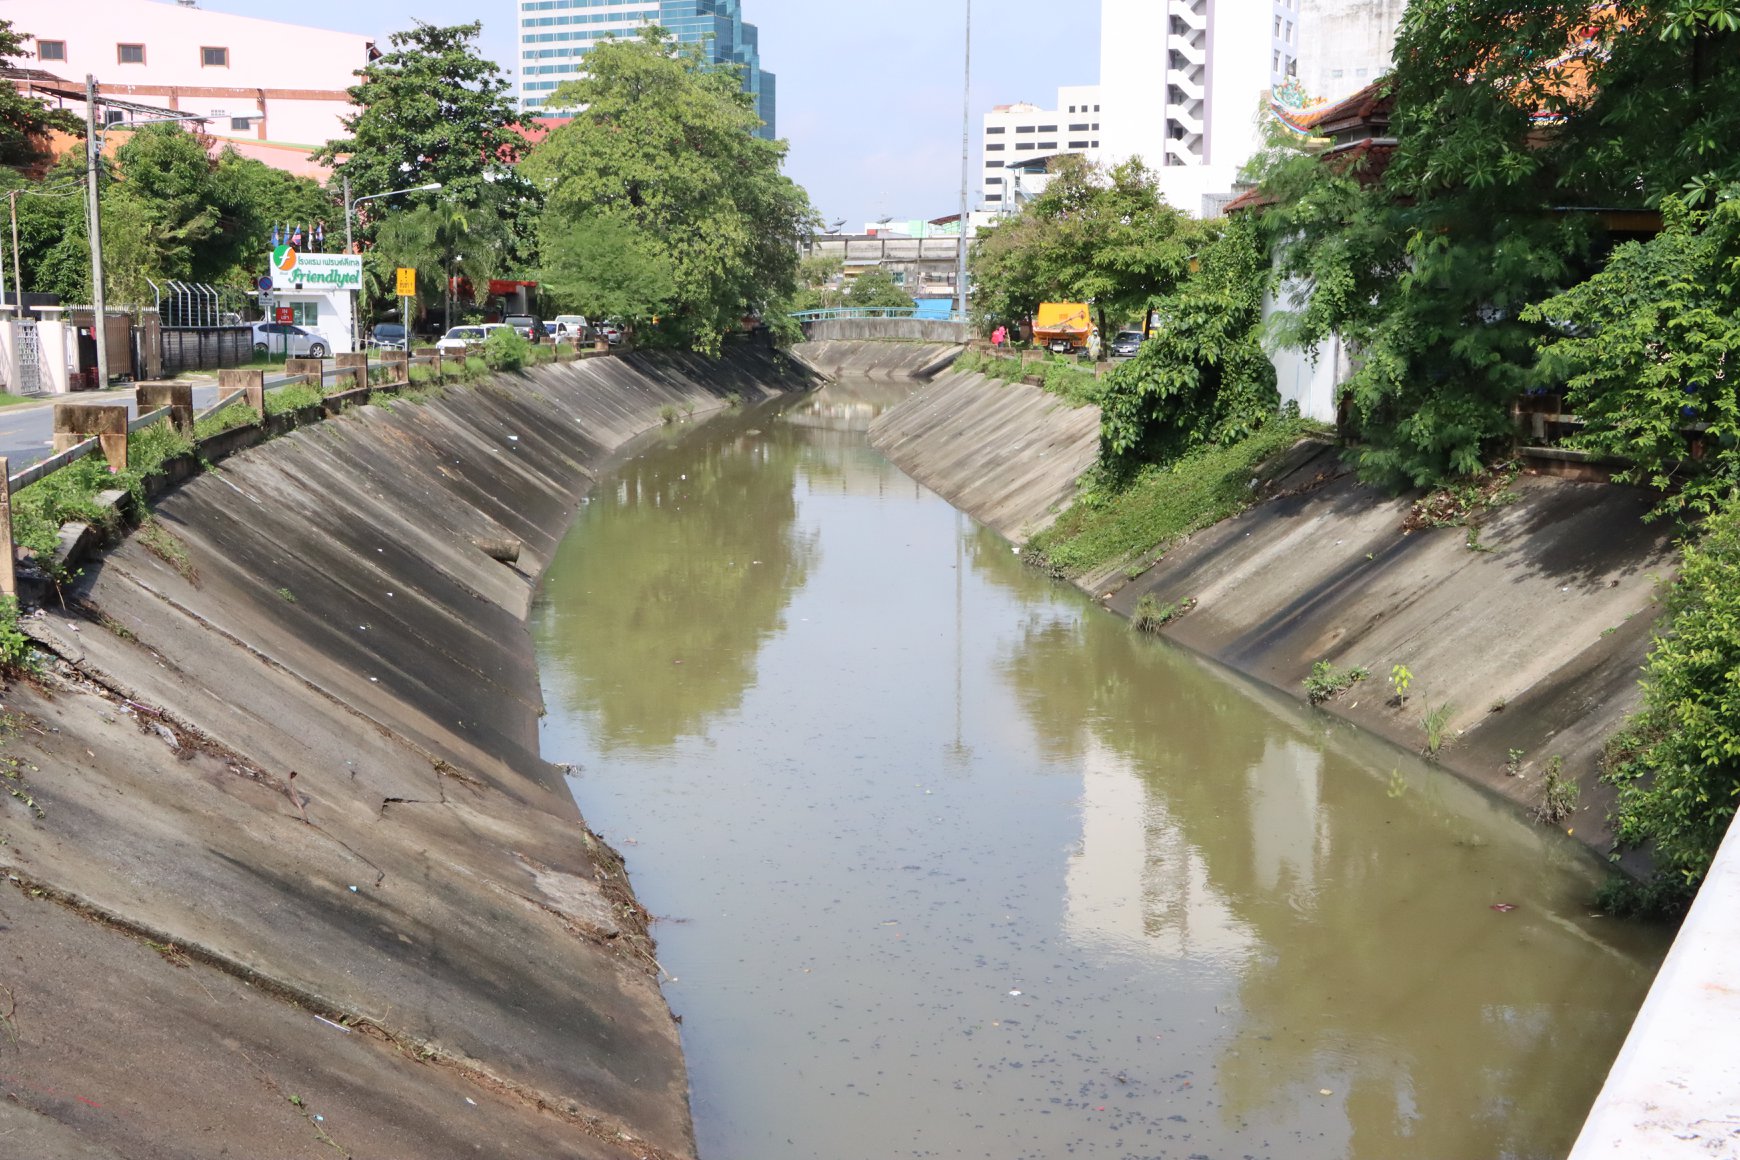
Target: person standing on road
(999, 337)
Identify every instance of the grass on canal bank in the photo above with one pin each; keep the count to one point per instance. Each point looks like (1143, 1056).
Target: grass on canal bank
(1161, 506)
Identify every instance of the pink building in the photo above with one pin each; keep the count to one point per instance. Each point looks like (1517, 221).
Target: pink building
(254, 80)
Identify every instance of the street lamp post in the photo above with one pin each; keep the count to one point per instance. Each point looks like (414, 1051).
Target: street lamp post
(966, 155)
(350, 205)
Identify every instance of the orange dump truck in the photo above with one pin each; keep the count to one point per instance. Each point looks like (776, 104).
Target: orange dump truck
(1063, 325)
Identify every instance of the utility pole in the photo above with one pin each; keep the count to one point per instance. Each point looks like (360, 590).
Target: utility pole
(93, 166)
(17, 266)
(966, 156)
(349, 245)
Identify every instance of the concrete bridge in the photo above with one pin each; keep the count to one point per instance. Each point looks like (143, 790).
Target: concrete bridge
(856, 326)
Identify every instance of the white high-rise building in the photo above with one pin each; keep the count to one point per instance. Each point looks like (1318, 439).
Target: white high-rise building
(1019, 138)
(1186, 82)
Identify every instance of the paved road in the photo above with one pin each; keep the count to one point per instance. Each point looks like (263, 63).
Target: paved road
(27, 430)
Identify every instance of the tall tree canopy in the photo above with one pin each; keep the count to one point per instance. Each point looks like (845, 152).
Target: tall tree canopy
(434, 110)
(1093, 235)
(664, 147)
(1513, 124)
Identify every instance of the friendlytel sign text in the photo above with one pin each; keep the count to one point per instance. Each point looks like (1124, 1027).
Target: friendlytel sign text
(291, 269)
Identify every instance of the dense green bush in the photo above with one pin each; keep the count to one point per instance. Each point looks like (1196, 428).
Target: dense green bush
(1678, 764)
(506, 350)
(1203, 379)
(1647, 353)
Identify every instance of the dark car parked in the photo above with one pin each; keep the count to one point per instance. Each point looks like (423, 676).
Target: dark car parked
(529, 328)
(1127, 343)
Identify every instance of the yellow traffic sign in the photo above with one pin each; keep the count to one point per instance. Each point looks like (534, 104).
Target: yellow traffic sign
(407, 282)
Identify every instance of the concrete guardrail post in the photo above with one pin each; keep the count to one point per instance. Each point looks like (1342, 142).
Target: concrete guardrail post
(312, 369)
(357, 365)
(178, 397)
(76, 422)
(251, 383)
(397, 364)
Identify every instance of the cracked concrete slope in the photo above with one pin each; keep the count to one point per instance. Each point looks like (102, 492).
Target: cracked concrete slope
(288, 794)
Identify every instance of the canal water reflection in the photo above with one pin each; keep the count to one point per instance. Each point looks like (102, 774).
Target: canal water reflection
(951, 864)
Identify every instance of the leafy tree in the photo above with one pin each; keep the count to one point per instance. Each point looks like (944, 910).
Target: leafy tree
(665, 143)
(1105, 237)
(432, 109)
(1651, 346)
(816, 284)
(26, 123)
(1203, 379)
(604, 268)
(173, 212)
(51, 225)
(876, 287)
(445, 244)
(1678, 764)
(1504, 116)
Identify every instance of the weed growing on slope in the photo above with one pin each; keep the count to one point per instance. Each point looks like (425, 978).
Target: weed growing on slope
(1435, 723)
(1152, 616)
(167, 546)
(1111, 525)
(1559, 793)
(296, 397)
(1326, 681)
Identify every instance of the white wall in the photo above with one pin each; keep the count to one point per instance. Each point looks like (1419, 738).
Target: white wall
(304, 72)
(1251, 46)
(1346, 44)
(1132, 80)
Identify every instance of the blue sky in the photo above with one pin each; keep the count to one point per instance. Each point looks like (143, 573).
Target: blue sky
(869, 90)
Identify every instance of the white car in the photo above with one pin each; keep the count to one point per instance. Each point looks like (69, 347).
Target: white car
(570, 326)
(285, 338)
(462, 339)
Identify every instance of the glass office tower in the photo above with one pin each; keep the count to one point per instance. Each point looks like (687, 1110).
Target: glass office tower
(555, 36)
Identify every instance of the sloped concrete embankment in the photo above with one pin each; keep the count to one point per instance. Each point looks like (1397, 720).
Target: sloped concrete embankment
(294, 876)
(1007, 454)
(878, 360)
(1531, 635)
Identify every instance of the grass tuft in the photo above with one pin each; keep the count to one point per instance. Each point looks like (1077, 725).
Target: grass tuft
(1161, 506)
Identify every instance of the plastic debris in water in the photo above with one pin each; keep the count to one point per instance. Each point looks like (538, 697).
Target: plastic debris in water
(1504, 907)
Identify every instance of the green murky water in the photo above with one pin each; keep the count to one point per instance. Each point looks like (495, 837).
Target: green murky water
(951, 864)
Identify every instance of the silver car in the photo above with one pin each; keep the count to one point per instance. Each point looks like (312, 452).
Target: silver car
(286, 338)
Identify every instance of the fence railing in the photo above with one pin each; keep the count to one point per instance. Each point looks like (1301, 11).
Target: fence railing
(844, 312)
(83, 429)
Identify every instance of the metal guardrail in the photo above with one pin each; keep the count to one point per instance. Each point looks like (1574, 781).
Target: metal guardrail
(839, 312)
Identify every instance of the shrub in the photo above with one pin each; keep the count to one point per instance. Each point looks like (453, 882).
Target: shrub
(292, 398)
(1152, 616)
(1113, 524)
(1326, 681)
(506, 350)
(1677, 765)
(16, 654)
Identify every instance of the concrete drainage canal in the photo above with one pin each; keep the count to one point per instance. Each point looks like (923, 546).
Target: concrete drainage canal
(949, 863)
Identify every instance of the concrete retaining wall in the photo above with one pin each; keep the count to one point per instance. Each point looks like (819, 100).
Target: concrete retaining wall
(878, 360)
(888, 330)
(1007, 454)
(1534, 639)
(289, 764)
